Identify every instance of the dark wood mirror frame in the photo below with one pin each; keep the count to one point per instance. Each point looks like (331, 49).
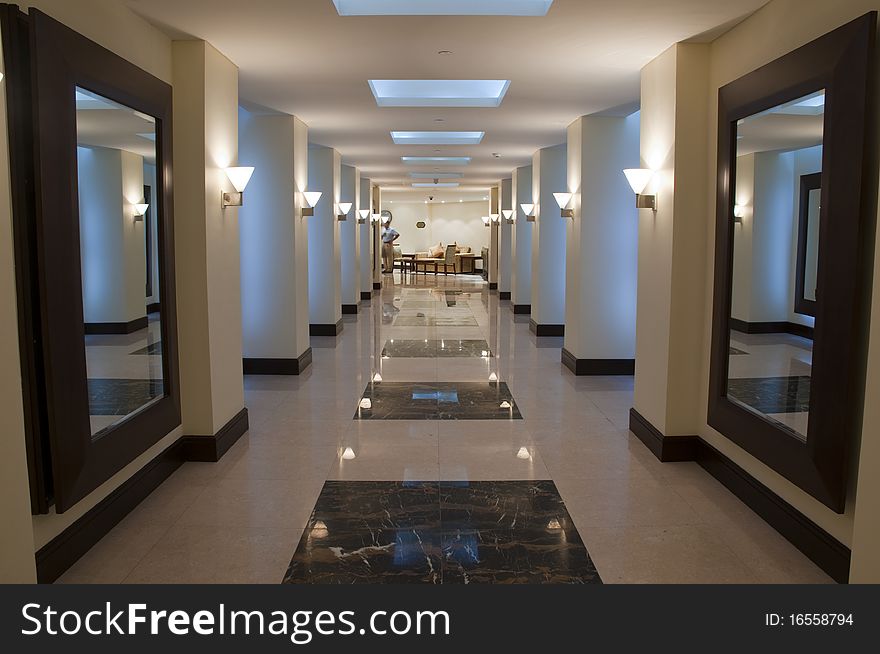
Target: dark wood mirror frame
(802, 305)
(42, 124)
(841, 63)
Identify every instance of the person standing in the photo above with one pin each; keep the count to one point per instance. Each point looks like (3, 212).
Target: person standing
(389, 236)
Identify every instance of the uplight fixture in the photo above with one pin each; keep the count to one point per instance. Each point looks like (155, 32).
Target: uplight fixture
(140, 210)
(739, 212)
(364, 214)
(375, 218)
(495, 218)
(564, 202)
(239, 176)
(311, 199)
(639, 178)
(508, 216)
(342, 210)
(486, 221)
(529, 211)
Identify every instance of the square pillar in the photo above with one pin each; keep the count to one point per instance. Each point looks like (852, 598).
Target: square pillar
(325, 288)
(548, 242)
(521, 243)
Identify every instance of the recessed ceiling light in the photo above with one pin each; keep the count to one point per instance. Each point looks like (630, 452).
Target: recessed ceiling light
(443, 7)
(437, 138)
(438, 185)
(443, 161)
(439, 92)
(433, 175)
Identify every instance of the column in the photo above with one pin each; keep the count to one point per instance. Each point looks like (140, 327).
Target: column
(505, 248)
(548, 242)
(521, 243)
(365, 230)
(376, 236)
(494, 209)
(325, 289)
(350, 241)
(207, 247)
(602, 257)
(274, 245)
(672, 246)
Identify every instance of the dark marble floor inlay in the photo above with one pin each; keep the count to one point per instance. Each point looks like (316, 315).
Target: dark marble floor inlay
(436, 349)
(772, 394)
(152, 348)
(437, 401)
(119, 397)
(735, 351)
(502, 532)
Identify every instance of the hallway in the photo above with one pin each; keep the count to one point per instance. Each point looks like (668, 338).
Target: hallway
(406, 433)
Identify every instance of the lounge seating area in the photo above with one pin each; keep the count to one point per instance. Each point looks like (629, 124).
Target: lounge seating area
(447, 259)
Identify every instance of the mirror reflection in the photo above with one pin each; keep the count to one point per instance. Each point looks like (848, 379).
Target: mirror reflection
(771, 333)
(116, 163)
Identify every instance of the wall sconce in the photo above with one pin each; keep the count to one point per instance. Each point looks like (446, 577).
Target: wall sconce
(239, 176)
(639, 178)
(529, 211)
(486, 221)
(311, 200)
(508, 216)
(342, 210)
(564, 200)
(495, 218)
(364, 214)
(375, 218)
(385, 219)
(739, 212)
(140, 210)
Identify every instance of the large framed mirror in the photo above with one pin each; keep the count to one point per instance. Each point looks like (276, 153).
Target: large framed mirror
(103, 247)
(791, 260)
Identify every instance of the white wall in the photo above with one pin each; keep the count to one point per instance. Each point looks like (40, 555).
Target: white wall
(349, 238)
(274, 279)
(602, 260)
(453, 222)
(505, 257)
(521, 239)
(325, 289)
(549, 236)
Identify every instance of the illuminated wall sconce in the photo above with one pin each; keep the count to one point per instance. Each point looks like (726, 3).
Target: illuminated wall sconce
(239, 176)
(375, 218)
(508, 216)
(529, 211)
(342, 210)
(140, 210)
(385, 219)
(739, 212)
(486, 221)
(564, 200)
(495, 218)
(311, 200)
(639, 178)
(364, 214)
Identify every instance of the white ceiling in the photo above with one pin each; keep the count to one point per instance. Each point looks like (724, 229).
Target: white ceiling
(301, 57)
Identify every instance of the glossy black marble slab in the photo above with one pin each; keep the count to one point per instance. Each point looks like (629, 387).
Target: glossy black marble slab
(437, 401)
(119, 397)
(435, 321)
(772, 394)
(510, 532)
(436, 349)
(152, 348)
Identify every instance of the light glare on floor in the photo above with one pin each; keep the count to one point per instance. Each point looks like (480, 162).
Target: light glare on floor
(349, 454)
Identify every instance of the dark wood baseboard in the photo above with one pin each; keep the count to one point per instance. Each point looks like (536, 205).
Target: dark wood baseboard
(278, 366)
(56, 556)
(598, 367)
(666, 448)
(546, 330)
(493, 286)
(815, 543)
(366, 296)
(377, 286)
(95, 328)
(522, 309)
(504, 296)
(350, 309)
(326, 330)
(155, 307)
(771, 328)
(211, 448)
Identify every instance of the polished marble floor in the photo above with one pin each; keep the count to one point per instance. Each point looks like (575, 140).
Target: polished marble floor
(257, 515)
